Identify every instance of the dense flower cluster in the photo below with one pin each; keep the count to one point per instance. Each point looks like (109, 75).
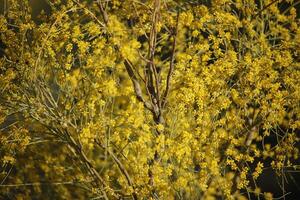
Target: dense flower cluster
(132, 99)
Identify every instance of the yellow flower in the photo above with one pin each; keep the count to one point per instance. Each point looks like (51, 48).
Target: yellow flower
(160, 127)
(8, 160)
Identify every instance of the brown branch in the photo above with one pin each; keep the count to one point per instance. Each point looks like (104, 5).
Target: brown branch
(291, 6)
(150, 70)
(103, 12)
(121, 167)
(138, 73)
(250, 136)
(171, 68)
(129, 68)
(264, 8)
(136, 85)
(76, 148)
(152, 49)
(153, 41)
(90, 13)
(83, 158)
(143, 58)
(249, 139)
(146, 80)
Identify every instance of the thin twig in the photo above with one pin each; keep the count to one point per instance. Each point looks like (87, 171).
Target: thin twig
(264, 8)
(136, 85)
(103, 12)
(121, 167)
(171, 69)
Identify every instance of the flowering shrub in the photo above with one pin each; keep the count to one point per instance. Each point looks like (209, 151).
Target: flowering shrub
(148, 99)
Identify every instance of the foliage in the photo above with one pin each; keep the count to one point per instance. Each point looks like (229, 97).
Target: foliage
(148, 99)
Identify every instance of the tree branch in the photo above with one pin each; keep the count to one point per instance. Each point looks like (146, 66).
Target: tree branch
(136, 85)
(171, 68)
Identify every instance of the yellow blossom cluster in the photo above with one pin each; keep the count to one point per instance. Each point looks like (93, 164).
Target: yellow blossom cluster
(134, 99)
